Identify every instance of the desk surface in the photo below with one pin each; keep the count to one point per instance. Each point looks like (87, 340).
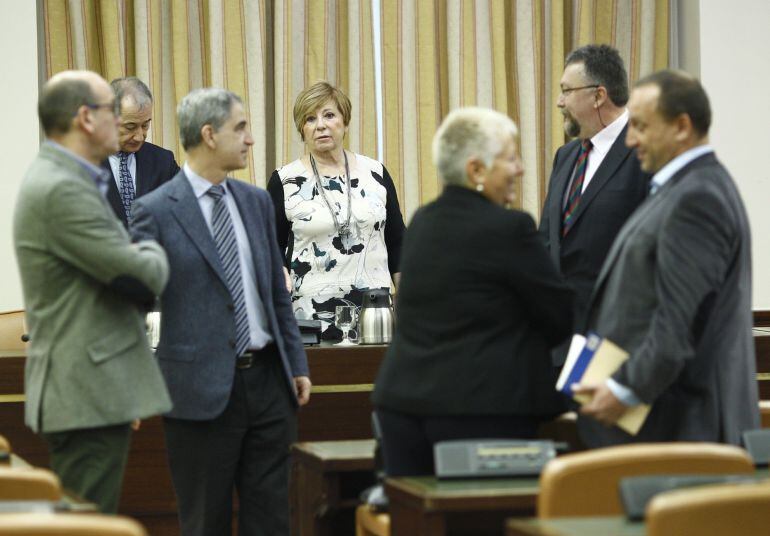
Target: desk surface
(350, 455)
(480, 494)
(575, 526)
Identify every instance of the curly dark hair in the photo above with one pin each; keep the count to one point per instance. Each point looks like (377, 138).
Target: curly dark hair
(604, 66)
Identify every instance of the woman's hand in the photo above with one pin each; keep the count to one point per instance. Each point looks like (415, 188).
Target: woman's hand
(287, 279)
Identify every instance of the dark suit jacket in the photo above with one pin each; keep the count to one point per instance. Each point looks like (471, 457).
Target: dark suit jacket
(616, 189)
(478, 307)
(154, 166)
(675, 292)
(196, 352)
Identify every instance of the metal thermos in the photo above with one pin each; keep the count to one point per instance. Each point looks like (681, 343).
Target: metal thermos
(376, 320)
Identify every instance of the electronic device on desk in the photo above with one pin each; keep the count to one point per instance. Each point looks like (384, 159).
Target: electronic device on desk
(637, 491)
(310, 331)
(481, 458)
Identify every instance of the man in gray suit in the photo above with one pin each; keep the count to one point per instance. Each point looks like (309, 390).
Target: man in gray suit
(89, 369)
(230, 349)
(675, 290)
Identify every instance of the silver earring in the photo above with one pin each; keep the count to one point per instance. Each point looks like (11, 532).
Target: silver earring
(479, 187)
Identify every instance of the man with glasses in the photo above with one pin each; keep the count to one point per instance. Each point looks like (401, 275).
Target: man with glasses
(89, 369)
(596, 181)
(139, 166)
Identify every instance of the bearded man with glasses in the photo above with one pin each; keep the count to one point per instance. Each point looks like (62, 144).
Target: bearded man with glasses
(596, 181)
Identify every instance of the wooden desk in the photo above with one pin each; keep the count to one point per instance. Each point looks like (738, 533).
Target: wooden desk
(575, 526)
(762, 347)
(432, 507)
(339, 409)
(327, 478)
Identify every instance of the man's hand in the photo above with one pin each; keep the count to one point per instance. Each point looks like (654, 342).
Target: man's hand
(603, 406)
(136, 424)
(302, 385)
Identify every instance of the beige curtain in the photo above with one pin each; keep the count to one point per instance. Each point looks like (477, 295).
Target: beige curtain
(264, 50)
(436, 55)
(504, 54)
(323, 40)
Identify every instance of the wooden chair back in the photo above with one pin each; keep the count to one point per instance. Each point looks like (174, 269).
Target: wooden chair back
(586, 483)
(36, 524)
(28, 484)
(719, 510)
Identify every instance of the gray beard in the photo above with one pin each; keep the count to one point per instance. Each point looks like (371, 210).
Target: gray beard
(571, 127)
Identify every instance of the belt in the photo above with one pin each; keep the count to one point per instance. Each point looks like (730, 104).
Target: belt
(249, 358)
(246, 360)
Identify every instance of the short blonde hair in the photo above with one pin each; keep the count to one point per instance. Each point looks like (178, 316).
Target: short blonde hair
(313, 97)
(469, 133)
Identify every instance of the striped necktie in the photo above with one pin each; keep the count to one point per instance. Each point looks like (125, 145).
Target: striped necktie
(575, 191)
(227, 247)
(127, 193)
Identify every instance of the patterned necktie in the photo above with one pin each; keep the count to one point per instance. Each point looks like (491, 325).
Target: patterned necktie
(575, 191)
(127, 193)
(224, 237)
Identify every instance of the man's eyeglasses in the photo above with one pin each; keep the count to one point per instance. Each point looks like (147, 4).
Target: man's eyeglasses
(567, 90)
(113, 106)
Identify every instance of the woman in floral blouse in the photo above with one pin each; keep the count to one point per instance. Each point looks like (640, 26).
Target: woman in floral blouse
(338, 218)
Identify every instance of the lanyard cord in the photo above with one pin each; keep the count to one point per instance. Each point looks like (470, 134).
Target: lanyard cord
(343, 229)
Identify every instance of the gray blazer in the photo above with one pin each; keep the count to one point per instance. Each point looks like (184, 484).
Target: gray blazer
(88, 362)
(196, 350)
(675, 291)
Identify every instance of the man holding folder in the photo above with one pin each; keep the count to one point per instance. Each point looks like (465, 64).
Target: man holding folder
(675, 289)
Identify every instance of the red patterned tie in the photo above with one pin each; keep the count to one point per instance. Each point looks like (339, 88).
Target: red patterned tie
(573, 200)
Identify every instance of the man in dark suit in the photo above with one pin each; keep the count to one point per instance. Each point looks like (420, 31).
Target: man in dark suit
(139, 166)
(229, 349)
(596, 182)
(675, 290)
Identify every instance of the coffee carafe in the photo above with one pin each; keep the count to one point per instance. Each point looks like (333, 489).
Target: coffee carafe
(376, 320)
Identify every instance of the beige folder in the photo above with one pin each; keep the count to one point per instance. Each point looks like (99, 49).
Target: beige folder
(605, 361)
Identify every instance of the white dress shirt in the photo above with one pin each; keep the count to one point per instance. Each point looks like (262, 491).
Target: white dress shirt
(602, 143)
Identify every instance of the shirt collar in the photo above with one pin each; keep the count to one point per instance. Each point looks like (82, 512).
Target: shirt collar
(602, 141)
(98, 174)
(116, 156)
(669, 170)
(199, 185)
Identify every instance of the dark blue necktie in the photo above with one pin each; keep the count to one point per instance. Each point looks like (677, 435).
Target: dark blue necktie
(127, 193)
(227, 247)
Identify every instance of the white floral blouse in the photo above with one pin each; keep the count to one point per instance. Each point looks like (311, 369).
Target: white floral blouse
(327, 268)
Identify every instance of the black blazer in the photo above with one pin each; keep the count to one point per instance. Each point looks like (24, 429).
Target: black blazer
(478, 307)
(617, 188)
(154, 166)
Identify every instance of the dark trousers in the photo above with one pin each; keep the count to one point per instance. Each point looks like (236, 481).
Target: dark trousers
(246, 448)
(90, 462)
(407, 440)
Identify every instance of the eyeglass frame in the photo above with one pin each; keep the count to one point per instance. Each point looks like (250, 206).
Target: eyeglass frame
(566, 91)
(114, 106)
